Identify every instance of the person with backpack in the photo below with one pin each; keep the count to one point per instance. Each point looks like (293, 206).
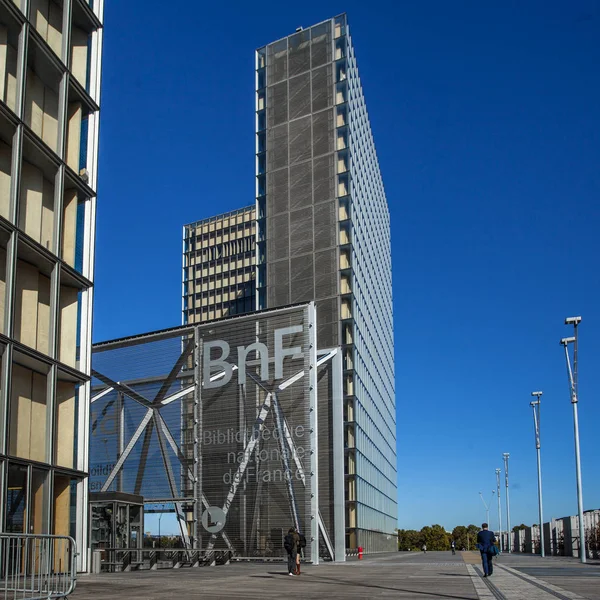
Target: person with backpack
(290, 543)
(485, 543)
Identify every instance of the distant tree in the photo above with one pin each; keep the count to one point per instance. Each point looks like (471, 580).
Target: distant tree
(472, 531)
(519, 527)
(408, 539)
(435, 537)
(459, 535)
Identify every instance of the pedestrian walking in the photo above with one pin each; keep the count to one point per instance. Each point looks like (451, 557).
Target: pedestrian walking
(453, 546)
(485, 543)
(424, 548)
(290, 543)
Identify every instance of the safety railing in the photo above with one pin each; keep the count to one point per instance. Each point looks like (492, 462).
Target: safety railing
(37, 567)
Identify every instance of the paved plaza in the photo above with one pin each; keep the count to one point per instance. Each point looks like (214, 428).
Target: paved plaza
(436, 575)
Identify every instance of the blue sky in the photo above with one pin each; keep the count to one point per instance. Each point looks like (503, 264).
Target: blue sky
(486, 118)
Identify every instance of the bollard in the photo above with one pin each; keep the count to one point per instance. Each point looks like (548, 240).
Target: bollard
(360, 553)
(97, 561)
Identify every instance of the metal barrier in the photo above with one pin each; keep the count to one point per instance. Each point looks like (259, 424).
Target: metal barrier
(37, 567)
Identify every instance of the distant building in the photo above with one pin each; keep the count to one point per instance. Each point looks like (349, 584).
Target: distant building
(219, 266)
(50, 59)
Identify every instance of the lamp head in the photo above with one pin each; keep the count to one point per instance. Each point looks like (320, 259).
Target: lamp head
(566, 341)
(572, 320)
(506, 454)
(537, 394)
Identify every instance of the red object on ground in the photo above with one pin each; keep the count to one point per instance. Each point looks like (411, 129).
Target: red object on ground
(360, 553)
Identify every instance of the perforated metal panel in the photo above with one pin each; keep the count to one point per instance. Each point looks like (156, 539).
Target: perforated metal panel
(277, 104)
(277, 64)
(188, 418)
(278, 234)
(323, 178)
(302, 284)
(277, 147)
(300, 185)
(325, 225)
(300, 140)
(277, 192)
(299, 59)
(301, 231)
(278, 283)
(322, 88)
(300, 96)
(323, 133)
(326, 273)
(320, 50)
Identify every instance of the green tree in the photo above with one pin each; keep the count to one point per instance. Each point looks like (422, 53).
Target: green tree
(459, 535)
(408, 539)
(435, 537)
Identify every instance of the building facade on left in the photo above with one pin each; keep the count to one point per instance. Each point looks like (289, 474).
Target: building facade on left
(50, 64)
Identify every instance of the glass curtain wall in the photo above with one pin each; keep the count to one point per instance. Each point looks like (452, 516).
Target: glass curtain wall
(49, 92)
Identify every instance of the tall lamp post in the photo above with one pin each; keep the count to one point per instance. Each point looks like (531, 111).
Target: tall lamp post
(506, 456)
(499, 509)
(535, 405)
(573, 387)
(487, 507)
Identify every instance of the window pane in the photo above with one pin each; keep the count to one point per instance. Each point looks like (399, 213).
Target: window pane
(65, 503)
(66, 423)
(16, 498)
(39, 501)
(28, 412)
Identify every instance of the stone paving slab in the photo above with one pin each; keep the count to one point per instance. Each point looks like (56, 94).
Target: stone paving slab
(565, 573)
(402, 575)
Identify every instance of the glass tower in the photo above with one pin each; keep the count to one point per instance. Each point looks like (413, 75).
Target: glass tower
(323, 234)
(50, 59)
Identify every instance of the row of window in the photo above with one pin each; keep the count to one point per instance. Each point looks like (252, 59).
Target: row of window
(37, 500)
(47, 18)
(220, 223)
(240, 306)
(43, 410)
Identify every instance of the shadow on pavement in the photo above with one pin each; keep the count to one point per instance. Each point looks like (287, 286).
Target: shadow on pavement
(382, 587)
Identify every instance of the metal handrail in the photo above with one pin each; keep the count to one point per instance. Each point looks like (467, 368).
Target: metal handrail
(37, 566)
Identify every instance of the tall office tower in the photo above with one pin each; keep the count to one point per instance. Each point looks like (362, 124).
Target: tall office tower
(219, 266)
(50, 55)
(323, 233)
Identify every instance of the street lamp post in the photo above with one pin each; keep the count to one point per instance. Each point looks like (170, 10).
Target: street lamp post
(506, 456)
(573, 387)
(535, 405)
(499, 509)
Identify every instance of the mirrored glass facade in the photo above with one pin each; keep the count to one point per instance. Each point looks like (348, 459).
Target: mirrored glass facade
(50, 54)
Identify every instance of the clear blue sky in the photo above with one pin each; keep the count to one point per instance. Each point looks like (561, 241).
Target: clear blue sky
(486, 118)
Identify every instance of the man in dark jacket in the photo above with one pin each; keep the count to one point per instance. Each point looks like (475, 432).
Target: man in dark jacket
(290, 543)
(485, 541)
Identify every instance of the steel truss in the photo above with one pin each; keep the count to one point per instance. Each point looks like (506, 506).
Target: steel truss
(153, 420)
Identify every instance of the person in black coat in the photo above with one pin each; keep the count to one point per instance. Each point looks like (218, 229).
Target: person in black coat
(485, 541)
(290, 543)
